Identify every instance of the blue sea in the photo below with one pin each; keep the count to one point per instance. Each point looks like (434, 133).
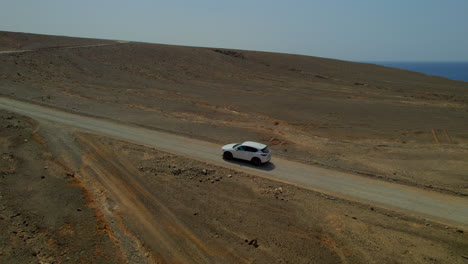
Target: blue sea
(451, 70)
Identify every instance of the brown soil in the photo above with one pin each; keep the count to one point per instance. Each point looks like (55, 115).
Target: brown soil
(73, 197)
(25, 41)
(381, 122)
(45, 214)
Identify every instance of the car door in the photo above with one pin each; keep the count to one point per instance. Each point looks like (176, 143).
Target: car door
(250, 153)
(241, 153)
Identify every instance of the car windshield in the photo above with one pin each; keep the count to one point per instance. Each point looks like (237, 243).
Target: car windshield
(236, 145)
(266, 150)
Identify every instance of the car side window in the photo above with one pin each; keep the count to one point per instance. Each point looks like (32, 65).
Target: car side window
(242, 148)
(250, 149)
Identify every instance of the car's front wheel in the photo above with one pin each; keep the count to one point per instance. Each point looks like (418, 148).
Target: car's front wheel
(256, 162)
(227, 155)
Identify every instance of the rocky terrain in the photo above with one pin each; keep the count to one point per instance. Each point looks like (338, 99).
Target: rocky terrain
(46, 216)
(12, 41)
(381, 122)
(73, 197)
(67, 196)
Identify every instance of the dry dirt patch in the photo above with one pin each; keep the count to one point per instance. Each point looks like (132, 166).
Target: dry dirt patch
(174, 209)
(45, 216)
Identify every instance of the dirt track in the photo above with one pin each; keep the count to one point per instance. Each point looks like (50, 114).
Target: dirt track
(73, 197)
(384, 123)
(433, 205)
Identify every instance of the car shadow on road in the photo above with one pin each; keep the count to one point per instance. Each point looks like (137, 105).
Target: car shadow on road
(269, 166)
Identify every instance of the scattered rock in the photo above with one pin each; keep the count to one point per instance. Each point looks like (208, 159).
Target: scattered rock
(327, 197)
(16, 215)
(230, 53)
(460, 231)
(7, 156)
(229, 176)
(176, 172)
(321, 77)
(252, 242)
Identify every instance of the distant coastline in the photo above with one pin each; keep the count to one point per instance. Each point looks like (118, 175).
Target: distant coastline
(451, 70)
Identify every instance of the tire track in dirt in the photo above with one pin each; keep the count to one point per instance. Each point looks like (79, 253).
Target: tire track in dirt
(159, 229)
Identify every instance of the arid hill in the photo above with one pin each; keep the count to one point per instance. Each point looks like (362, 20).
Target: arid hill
(378, 121)
(24, 41)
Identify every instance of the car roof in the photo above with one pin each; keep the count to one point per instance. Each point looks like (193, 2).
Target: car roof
(254, 145)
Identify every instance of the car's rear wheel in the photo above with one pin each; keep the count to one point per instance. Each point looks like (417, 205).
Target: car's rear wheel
(227, 155)
(256, 162)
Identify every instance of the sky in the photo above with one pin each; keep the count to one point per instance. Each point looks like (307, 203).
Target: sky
(356, 30)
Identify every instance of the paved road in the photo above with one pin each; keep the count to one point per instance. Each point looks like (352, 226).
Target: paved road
(413, 201)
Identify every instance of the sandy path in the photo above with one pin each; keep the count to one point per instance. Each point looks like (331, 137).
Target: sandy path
(435, 206)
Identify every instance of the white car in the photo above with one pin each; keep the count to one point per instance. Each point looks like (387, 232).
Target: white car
(257, 153)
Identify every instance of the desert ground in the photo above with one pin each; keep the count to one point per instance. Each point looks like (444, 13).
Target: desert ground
(381, 122)
(74, 197)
